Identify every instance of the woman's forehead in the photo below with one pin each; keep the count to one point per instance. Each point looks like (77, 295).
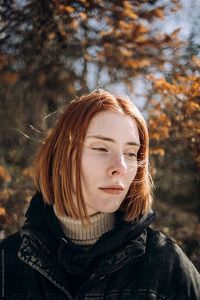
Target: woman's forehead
(113, 123)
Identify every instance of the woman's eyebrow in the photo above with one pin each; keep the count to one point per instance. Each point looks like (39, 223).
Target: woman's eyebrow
(104, 138)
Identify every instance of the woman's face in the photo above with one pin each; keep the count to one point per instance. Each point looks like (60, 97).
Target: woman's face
(109, 161)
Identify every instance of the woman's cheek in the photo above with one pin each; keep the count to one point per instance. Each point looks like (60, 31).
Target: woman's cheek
(133, 170)
(93, 162)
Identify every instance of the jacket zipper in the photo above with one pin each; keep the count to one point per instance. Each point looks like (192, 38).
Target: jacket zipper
(46, 276)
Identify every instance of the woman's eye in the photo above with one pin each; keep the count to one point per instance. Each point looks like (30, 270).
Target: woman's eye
(130, 154)
(100, 149)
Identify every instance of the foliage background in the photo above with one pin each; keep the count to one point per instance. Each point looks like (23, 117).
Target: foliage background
(52, 50)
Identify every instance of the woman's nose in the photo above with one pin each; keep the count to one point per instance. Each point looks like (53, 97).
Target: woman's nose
(118, 166)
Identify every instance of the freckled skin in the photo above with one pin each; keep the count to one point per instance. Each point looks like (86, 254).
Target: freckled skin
(105, 163)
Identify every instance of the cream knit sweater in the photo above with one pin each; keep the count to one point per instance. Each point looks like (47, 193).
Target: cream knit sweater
(100, 223)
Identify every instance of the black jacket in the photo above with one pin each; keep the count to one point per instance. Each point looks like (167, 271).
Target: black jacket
(131, 261)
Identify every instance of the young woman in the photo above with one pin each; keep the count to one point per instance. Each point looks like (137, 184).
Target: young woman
(87, 234)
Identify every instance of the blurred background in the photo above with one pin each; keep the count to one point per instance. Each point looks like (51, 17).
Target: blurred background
(53, 50)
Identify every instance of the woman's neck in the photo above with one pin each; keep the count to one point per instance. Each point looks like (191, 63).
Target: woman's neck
(74, 229)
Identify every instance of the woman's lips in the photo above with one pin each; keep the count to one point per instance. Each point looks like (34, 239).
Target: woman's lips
(112, 190)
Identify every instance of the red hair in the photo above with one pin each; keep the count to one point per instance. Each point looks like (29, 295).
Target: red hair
(57, 165)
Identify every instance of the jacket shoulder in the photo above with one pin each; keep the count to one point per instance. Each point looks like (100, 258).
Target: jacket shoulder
(167, 247)
(161, 243)
(164, 253)
(159, 240)
(12, 242)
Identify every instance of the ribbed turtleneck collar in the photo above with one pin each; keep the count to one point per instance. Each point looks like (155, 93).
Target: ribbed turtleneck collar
(74, 229)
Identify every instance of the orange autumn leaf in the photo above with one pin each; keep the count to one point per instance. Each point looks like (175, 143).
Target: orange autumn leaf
(155, 136)
(51, 36)
(2, 211)
(4, 174)
(162, 84)
(125, 52)
(158, 151)
(74, 24)
(63, 8)
(83, 16)
(196, 61)
(141, 39)
(10, 77)
(136, 64)
(28, 172)
(192, 107)
(159, 13)
(142, 29)
(129, 12)
(125, 25)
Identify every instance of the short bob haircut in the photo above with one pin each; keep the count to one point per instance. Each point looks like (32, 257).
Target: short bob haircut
(57, 169)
